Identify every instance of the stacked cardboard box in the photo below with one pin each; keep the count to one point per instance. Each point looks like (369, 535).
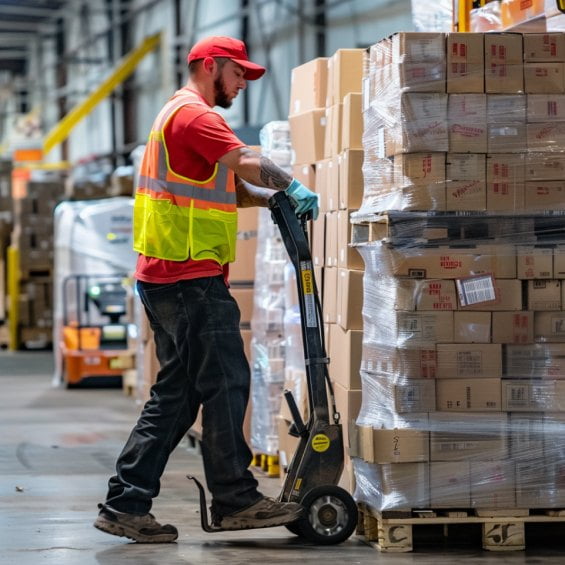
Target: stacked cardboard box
(6, 215)
(33, 237)
(461, 370)
(326, 130)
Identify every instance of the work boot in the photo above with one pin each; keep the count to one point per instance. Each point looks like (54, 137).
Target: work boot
(141, 528)
(263, 514)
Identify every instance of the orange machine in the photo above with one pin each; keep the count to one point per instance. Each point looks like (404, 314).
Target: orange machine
(94, 337)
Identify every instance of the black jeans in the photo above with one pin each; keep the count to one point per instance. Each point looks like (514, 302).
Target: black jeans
(200, 351)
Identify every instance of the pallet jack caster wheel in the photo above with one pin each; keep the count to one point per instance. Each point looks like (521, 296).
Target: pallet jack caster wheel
(331, 516)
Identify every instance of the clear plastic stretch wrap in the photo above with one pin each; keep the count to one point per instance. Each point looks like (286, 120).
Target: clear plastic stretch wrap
(465, 122)
(463, 365)
(274, 321)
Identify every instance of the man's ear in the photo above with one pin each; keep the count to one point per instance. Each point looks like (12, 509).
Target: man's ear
(209, 64)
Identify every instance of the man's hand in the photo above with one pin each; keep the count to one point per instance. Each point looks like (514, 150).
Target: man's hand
(305, 199)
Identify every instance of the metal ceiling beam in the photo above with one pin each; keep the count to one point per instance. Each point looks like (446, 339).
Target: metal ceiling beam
(19, 27)
(13, 54)
(27, 12)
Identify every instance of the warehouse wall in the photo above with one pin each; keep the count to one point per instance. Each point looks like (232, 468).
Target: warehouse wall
(280, 35)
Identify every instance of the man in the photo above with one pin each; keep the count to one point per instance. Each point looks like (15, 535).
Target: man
(185, 223)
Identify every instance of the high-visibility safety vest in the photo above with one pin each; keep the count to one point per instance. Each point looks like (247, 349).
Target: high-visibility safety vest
(176, 217)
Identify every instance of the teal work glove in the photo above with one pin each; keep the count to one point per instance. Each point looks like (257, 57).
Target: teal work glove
(306, 200)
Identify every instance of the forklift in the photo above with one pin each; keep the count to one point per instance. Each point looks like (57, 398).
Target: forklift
(94, 337)
(330, 513)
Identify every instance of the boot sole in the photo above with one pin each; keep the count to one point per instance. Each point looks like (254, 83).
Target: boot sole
(255, 523)
(123, 531)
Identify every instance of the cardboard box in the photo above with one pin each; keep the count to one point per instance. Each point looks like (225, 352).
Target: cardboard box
(545, 107)
(332, 138)
(506, 108)
(544, 195)
(544, 78)
(345, 73)
(468, 436)
(318, 241)
(513, 327)
(559, 263)
(450, 484)
(466, 166)
(348, 404)
(244, 299)
(422, 329)
(508, 297)
(542, 361)
(308, 86)
(436, 295)
(331, 239)
(470, 360)
(465, 62)
(402, 486)
(421, 126)
(306, 174)
(503, 63)
(307, 132)
(534, 262)
(350, 299)
(395, 446)
(415, 77)
(345, 350)
(535, 484)
(544, 47)
(350, 192)
(419, 169)
(409, 397)
(445, 262)
(329, 307)
(472, 327)
(352, 122)
(493, 484)
(527, 435)
(322, 184)
(418, 47)
(466, 195)
(506, 138)
(545, 136)
(243, 269)
(467, 117)
(419, 363)
(545, 166)
(544, 294)
(533, 395)
(347, 257)
(549, 327)
(468, 395)
(505, 181)
(332, 180)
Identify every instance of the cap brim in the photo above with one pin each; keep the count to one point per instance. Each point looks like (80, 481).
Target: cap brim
(252, 70)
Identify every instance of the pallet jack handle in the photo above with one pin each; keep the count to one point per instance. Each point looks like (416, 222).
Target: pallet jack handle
(294, 235)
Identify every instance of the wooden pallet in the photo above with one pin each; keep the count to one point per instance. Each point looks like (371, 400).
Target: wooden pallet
(501, 530)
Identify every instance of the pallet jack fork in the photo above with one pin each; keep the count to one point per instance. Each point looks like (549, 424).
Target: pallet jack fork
(330, 512)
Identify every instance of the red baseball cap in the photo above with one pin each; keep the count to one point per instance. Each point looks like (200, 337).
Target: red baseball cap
(222, 46)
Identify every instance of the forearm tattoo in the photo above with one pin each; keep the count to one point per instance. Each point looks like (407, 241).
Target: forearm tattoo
(273, 176)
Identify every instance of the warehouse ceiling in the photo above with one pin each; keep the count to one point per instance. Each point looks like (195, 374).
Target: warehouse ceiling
(20, 21)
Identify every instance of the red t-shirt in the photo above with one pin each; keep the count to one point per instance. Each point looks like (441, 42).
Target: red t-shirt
(194, 146)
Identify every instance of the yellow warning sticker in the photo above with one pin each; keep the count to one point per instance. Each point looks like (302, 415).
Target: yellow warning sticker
(320, 443)
(307, 281)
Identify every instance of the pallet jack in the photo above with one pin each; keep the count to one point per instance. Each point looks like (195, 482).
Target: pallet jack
(330, 515)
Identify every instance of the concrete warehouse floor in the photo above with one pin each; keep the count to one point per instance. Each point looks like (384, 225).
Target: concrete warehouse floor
(57, 450)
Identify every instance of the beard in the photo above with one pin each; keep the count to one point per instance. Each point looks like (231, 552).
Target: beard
(220, 94)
